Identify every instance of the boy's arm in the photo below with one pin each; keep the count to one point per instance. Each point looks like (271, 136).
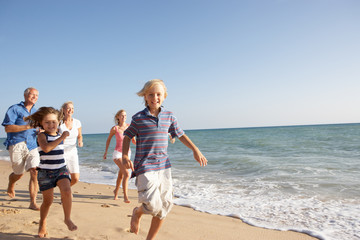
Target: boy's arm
(48, 146)
(199, 157)
(125, 151)
(133, 140)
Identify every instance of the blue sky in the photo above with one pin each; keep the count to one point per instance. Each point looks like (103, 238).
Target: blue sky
(225, 63)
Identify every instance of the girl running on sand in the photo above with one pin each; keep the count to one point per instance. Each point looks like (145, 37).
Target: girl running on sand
(123, 174)
(52, 169)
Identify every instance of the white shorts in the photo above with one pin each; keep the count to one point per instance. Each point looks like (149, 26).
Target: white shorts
(22, 159)
(72, 159)
(118, 155)
(155, 192)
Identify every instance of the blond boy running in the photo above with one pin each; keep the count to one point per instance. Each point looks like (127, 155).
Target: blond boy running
(151, 166)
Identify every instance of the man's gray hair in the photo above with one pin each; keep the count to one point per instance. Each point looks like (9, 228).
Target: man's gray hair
(27, 91)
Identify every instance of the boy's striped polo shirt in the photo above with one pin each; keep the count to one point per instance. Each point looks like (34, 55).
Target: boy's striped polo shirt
(152, 139)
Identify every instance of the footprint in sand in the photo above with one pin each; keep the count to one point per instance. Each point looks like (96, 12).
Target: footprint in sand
(9, 211)
(105, 205)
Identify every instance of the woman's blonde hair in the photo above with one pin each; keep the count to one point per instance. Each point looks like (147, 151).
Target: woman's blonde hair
(148, 85)
(62, 114)
(36, 118)
(117, 115)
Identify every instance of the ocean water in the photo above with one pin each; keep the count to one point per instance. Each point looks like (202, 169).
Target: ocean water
(301, 178)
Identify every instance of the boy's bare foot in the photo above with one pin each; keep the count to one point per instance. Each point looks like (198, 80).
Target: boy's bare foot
(135, 222)
(126, 200)
(42, 231)
(33, 206)
(71, 226)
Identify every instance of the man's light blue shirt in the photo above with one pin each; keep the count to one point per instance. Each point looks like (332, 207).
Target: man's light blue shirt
(15, 116)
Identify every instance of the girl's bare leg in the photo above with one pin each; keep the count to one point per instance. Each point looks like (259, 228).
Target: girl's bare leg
(125, 178)
(125, 183)
(66, 200)
(48, 196)
(118, 162)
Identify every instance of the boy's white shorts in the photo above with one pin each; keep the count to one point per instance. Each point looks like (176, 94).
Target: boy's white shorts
(155, 192)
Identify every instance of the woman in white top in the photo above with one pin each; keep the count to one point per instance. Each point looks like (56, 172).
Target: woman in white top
(73, 126)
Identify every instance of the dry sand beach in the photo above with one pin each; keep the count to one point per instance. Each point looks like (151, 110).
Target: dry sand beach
(98, 216)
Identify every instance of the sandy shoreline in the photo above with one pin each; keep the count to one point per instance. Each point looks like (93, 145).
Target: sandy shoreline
(98, 216)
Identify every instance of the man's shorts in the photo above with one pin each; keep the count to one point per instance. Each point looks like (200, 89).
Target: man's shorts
(118, 155)
(22, 159)
(48, 178)
(72, 159)
(155, 192)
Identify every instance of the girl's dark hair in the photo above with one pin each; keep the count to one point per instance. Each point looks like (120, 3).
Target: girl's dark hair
(36, 118)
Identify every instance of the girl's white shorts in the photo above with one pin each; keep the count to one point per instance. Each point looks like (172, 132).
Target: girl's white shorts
(118, 155)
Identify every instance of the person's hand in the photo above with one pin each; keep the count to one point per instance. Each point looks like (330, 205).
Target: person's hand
(200, 158)
(127, 163)
(80, 144)
(65, 134)
(39, 130)
(104, 157)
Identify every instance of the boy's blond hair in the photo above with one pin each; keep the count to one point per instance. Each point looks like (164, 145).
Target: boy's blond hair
(148, 85)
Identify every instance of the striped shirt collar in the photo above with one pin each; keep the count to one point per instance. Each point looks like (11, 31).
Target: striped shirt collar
(147, 112)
